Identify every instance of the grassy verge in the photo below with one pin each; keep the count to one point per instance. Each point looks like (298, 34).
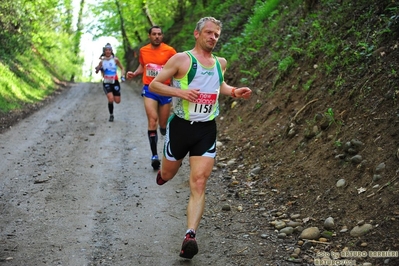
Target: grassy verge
(24, 80)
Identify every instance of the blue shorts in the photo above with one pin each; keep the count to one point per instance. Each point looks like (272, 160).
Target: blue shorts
(162, 100)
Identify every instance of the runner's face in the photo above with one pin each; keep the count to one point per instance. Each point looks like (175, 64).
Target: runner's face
(108, 52)
(156, 37)
(209, 36)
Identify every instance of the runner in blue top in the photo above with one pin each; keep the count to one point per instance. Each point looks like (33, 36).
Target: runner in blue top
(108, 66)
(98, 67)
(197, 83)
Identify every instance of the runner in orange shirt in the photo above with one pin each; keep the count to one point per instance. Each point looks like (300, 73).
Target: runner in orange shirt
(153, 57)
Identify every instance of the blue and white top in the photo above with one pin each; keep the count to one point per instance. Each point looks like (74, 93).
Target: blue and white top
(110, 70)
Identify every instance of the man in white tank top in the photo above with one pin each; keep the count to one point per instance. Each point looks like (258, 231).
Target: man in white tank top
(197, 83)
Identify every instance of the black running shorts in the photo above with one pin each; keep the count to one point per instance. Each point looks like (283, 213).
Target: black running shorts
(183, 136)
(115, 88)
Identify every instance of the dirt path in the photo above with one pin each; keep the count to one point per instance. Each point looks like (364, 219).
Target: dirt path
(76, 189)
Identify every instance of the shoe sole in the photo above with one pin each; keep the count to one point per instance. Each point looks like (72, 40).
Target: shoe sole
(189, 249)
(155, 164)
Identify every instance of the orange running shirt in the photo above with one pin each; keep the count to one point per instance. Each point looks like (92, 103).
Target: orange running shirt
(158, 57)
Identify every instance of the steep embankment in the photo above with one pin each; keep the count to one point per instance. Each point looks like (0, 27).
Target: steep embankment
(321, 129)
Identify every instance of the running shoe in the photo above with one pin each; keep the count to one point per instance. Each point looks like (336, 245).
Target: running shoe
(160, 181)
(111, 118)
(155, 163)
(189, 247)
(162, 131)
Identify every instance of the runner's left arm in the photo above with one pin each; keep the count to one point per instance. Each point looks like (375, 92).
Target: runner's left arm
(242, 92)
(120, 66)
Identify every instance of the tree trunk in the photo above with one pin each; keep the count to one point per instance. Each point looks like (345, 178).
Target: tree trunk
(131, 57)
(77, 37)
(69, 17)
(148, 15)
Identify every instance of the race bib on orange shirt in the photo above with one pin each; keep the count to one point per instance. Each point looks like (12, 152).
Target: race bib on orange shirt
(152, 70)
(204, 104)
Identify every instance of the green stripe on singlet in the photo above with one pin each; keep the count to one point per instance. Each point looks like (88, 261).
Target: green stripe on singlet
(193, 68)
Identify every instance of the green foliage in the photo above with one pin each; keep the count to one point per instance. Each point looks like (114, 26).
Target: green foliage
(37, 43)
(14, 29)
(338, 143)
(262, 13)
(330, 114)
(308, 84)
(331, 117)
(286, 63)
(339, 82)
(257, 106)
(134, 15)
(244, 81)
(61, 57)
(252, 74)
(251, 35)
(21, 84)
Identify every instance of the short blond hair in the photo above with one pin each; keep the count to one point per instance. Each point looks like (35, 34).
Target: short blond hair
(201, 23)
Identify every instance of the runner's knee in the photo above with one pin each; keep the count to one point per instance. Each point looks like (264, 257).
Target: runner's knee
(198, 183)
(152, 123)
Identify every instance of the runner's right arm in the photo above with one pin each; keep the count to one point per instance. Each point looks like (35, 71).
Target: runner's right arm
(99, 66)
(138, 71)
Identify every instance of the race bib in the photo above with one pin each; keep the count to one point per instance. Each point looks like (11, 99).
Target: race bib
(152, 70)
(204, 104)
(109, 79)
